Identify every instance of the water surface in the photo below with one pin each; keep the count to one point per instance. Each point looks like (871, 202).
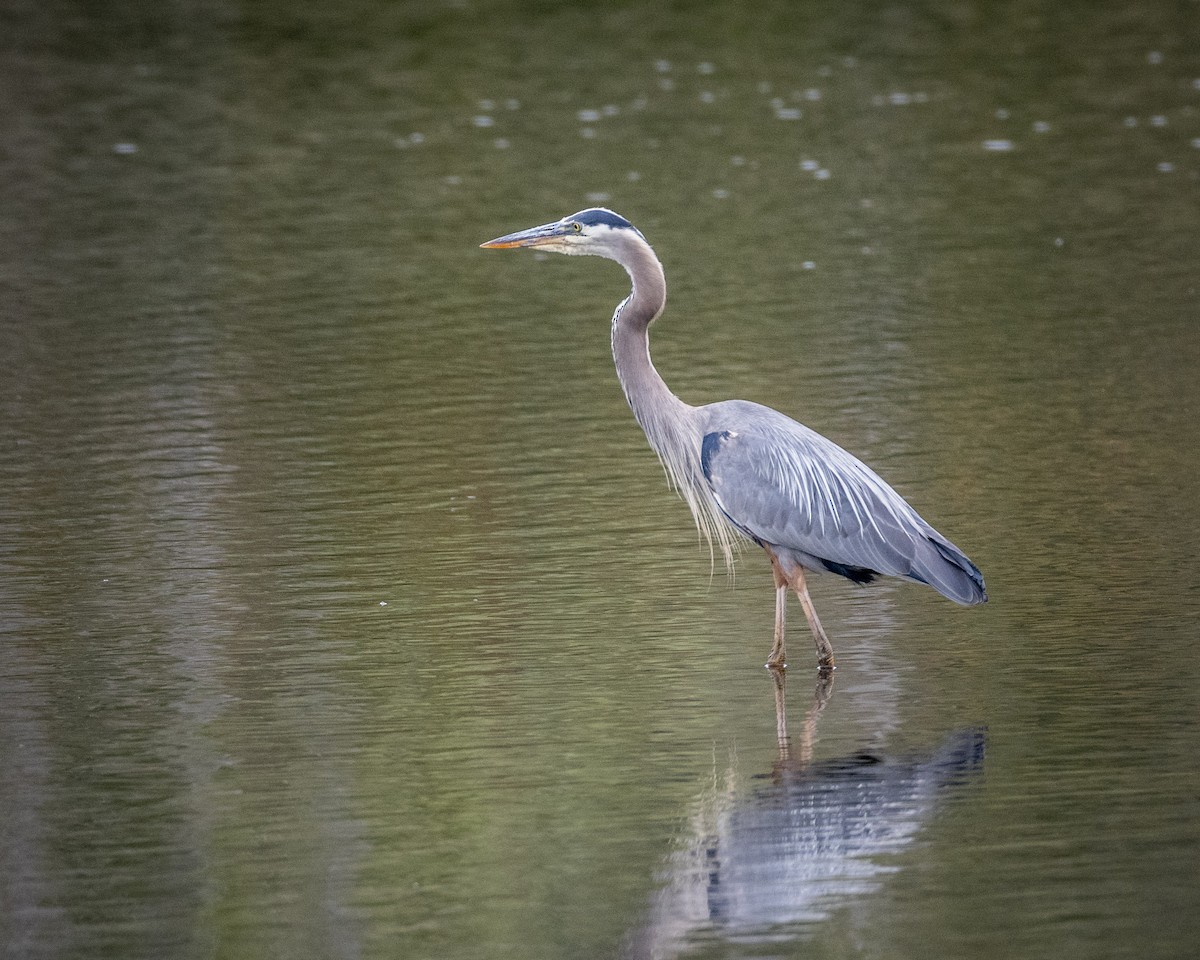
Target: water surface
(344, 610)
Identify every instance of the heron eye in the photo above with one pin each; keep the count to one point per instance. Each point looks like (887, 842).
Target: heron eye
(577, 227)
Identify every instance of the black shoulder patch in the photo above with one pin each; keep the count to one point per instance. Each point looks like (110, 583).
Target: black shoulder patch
(708, 449)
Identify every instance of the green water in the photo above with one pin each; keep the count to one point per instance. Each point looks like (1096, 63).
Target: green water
(344, 611)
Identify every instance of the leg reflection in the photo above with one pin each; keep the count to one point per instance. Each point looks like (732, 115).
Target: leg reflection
(822, 693)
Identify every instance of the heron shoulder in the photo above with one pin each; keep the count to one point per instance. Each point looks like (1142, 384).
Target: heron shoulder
(761, 427)
(768, 471)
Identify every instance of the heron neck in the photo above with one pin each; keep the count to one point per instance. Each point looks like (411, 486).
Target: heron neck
(672, 426)
(652, 402)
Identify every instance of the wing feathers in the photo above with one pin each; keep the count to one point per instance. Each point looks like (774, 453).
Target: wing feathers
(788, 486)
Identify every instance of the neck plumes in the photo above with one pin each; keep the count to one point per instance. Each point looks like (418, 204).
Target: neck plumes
(671, 426)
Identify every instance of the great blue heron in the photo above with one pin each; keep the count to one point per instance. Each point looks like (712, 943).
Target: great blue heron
(745, 469)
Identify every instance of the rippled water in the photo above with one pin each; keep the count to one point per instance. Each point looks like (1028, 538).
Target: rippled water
(344, 610)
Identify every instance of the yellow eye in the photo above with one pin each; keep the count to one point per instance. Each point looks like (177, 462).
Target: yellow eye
(577, 227)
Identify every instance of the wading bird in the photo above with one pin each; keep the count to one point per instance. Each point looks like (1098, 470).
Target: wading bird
(745, 469)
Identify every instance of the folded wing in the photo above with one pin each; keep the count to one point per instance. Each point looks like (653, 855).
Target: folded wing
(786, 485)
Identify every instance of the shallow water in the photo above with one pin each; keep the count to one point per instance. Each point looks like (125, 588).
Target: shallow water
(343, 609)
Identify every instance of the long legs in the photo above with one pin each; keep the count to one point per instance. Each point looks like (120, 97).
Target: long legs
(776, 659)
(824, 647)
(794, 578)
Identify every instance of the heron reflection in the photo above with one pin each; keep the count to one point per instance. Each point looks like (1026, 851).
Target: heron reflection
(759, 863)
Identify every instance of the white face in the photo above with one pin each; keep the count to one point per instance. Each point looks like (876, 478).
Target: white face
(595, 239)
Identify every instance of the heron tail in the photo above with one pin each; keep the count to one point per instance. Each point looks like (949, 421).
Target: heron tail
(947, 569)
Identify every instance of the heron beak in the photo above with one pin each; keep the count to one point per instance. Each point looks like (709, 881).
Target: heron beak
(547, 233)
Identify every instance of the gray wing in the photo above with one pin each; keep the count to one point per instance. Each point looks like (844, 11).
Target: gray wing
(788, 486)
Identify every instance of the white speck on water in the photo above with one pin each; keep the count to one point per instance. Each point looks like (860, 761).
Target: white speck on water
(809, 265)
(706, 96)
(721, 193)
(1166, 167)
(1059, 241)
(588, 116)
(662, 66)
(999, 146)
(867, 251)
(1154, 58)
(483, 120)
(1196, 143)
(501, 144)
(738, 161)
(706, 68)
(383, 603)
(809, 165)
(1196, 84)
(639, 104)
(512, 103)
(899, 99)
(1041, 126)
(416, 138)
(1158, 120)
(633, 176)
(812, 93)
(588, 133)
(611, 110)
(1002, 114)
(598, 196)
(452, 180)
(788, 113)
(822, 174)
(125, 148)
(487, 105)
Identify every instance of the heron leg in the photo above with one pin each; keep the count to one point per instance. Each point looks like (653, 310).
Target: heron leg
(824, 647)
(777, 659)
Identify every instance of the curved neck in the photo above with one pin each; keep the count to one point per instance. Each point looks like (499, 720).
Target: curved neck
(649, 396)
(672, 426)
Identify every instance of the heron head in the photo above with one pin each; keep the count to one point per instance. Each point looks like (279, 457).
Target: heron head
(594, 231)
